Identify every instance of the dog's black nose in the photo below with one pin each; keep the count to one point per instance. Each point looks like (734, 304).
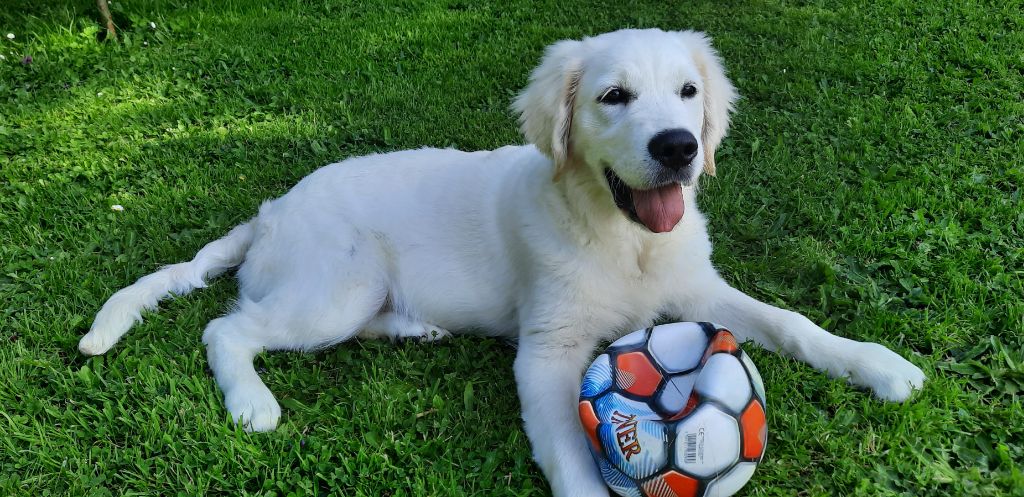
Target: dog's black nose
(673, 148)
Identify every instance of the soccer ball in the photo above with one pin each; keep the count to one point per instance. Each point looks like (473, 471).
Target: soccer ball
(675, 410)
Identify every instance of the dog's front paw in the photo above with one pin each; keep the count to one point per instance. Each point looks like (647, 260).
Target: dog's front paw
(886, 373)
(253, 407)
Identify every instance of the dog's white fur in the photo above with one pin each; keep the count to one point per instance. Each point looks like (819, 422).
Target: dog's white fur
(523, 241)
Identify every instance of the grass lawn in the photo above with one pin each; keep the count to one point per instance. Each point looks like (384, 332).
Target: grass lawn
(872, 180)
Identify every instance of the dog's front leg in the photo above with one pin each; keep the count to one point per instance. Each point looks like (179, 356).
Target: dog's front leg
(866, 364)
(548, 369)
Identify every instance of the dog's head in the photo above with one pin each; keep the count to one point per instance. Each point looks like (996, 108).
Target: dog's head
(643, 110)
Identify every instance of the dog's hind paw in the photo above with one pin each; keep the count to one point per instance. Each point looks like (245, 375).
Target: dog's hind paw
(431, 333)
(398, 327)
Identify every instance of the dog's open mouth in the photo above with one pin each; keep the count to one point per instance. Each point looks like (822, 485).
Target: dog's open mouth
(659, 209)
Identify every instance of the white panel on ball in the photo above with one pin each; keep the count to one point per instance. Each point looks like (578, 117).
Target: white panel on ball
(678, 347)
(675, 394)
(631, 340)
(707, 442)
(754, 375)
(732, 481)
(724, 380)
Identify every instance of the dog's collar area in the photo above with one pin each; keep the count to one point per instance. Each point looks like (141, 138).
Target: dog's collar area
(622, 196)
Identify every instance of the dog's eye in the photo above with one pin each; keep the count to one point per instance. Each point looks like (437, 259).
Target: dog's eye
(688, 91)
(614, 96)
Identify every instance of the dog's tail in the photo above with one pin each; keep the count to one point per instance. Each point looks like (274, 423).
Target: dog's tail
(125, 307)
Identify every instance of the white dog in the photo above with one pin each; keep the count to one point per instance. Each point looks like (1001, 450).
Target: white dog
(590, 232)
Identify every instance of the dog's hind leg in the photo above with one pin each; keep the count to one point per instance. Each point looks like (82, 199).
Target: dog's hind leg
(280, 321)
(232, 342)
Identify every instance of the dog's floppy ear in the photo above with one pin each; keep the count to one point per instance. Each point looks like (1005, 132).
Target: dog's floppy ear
(545, 106)
(719, 95)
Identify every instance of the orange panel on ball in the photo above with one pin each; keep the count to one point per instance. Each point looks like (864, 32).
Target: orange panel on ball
(755, 430)
(671, 484)
(636, 374)
(589, 419)
(723, 341)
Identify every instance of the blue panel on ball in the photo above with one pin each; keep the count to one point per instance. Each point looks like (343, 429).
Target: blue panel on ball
(598, 377)
(618, 482)
(634, 446)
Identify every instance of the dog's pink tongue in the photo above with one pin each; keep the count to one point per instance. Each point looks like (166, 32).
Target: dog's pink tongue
(660, 209)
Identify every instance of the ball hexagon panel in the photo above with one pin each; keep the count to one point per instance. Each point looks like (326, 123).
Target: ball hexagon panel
(732, 481)
(724, 380)
(635, 374)
(635, 339)
(588, 417)
(598, 377)
(723, 341)
(673, 397)
(755, 431)
(707, 442)
(755, 376)
(691, 404)
(620, 483)
(634, 446)
(671, 484)
(678, 347)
